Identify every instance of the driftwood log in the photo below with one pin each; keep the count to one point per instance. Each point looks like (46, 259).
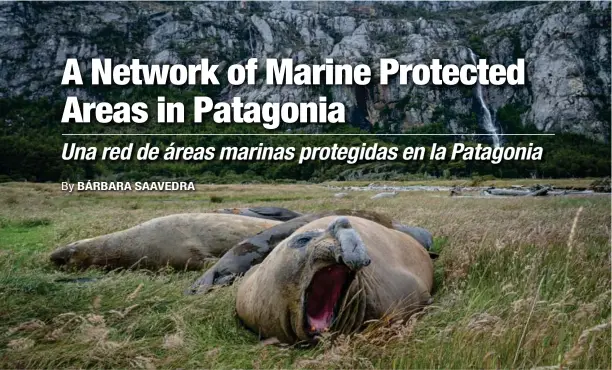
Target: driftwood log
(518, 193)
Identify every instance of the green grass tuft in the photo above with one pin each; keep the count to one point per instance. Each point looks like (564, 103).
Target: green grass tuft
(216, 199)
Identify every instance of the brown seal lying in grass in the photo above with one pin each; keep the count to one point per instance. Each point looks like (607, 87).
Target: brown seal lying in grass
(182, 241)
(246, 254)
(334, 273)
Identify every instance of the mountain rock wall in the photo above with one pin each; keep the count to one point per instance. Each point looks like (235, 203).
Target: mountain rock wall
(566, 46)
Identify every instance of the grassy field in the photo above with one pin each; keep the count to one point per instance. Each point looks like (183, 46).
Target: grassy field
(520, 283)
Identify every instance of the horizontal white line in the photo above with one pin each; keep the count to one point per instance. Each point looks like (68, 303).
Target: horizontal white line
(285, 134)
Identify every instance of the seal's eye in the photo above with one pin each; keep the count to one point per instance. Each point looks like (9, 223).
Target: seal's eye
(301, 240)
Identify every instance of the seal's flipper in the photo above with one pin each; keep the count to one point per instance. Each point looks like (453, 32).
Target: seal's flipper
(421, 235)
(204, 282)
(268, 213)
(276, 213)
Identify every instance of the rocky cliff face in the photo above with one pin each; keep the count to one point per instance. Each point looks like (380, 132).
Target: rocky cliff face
(566, 46)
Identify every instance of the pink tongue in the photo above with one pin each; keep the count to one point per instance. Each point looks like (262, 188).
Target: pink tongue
(324, 293)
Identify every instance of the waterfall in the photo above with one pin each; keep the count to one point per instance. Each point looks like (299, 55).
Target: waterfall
(489, 125)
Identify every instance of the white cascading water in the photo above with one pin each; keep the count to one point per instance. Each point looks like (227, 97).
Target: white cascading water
(488, 120)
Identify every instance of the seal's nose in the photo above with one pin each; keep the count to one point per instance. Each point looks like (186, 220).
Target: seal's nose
(354, 262)
(351, 250)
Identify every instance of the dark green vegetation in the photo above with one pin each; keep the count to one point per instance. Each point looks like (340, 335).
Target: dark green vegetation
(520, 283)
(31, 145)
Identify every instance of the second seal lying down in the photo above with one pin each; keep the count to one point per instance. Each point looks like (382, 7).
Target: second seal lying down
(182, 241)
(334, 273)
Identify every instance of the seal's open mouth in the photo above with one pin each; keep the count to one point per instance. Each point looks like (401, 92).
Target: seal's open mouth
(323, 297)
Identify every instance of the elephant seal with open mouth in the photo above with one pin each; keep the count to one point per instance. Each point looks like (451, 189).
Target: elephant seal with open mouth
(334, 273)
(182, 241)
